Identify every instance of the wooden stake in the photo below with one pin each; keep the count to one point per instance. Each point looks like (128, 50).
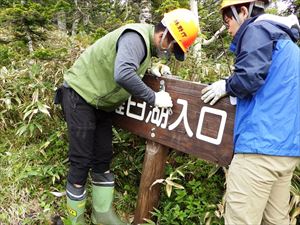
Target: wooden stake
(153, 169)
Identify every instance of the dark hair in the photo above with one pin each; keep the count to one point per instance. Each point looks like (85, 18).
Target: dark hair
(160, 27)
(255, 12)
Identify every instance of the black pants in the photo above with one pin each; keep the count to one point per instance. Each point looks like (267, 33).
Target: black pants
(90, 136)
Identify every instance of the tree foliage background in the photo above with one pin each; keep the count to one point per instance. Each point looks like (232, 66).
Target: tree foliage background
(39, 40)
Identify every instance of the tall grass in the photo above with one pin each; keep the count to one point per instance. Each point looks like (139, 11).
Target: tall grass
(34, 146)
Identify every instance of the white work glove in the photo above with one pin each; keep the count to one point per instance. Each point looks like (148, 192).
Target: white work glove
(163, 99)
(214, 92)
(159, 69)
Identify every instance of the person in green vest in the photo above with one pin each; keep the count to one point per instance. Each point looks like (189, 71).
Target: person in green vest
(101, 79)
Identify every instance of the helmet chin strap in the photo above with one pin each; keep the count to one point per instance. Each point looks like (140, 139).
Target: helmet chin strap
(236, 15)
(164, 52)
(250, 9)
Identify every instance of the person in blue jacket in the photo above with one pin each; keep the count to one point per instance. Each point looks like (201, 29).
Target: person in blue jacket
(266, 83)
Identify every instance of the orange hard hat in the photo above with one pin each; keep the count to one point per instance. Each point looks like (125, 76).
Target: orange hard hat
(183, 26)
(226, 3)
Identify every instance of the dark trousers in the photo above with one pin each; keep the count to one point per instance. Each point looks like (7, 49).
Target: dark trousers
(90, 136)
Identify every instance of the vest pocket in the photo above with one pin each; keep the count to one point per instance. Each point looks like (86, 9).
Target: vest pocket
(112, 100)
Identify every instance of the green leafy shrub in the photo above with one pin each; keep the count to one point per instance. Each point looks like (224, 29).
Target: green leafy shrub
(49, 54)
(100, 32)
(5, 55)
(198, 201)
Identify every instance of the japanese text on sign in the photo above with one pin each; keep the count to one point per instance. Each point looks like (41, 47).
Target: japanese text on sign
(160, 116)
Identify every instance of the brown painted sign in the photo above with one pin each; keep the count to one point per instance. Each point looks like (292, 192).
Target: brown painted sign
(191, 126)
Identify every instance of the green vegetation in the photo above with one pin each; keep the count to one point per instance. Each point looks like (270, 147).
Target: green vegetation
(33, 142)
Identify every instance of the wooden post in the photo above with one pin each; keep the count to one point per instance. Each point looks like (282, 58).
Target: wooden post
(153, 169)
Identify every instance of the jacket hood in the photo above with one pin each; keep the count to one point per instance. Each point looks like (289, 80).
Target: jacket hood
(288, 24)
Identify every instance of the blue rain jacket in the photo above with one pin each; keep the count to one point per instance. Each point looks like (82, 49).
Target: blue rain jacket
(266, 82)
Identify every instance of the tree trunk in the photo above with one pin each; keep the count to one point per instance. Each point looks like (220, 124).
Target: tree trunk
(75, 26)
(86, 14)
(76, 19)
(145, 13)
(197, 48)
(62, 21)
(27, 33)
(30, 43)
(198, 44)
(194, 6)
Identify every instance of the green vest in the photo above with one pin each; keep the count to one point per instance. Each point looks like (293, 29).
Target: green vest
(92, 75)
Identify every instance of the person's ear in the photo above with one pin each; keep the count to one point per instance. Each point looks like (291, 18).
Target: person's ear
(160, 34)
(157, 38)
(244, 12)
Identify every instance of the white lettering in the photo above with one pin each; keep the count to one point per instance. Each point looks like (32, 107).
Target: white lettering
(160, 116)
(121, 109)
(135, 104)
(223, 115)
(182, 116)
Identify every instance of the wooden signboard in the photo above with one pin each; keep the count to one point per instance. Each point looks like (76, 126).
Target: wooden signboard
(190, 126)
(193, 127)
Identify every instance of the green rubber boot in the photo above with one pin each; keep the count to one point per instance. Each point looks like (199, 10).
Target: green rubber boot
(102, 198)
(76, 208)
